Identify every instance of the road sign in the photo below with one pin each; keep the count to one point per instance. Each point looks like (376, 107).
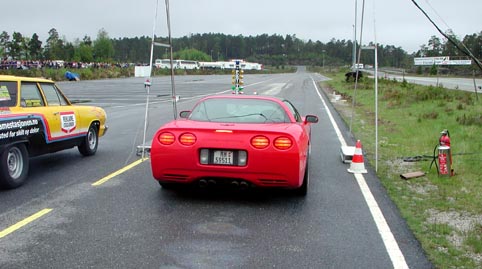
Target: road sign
(443, 60)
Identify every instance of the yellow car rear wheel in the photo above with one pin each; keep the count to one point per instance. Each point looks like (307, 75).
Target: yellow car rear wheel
(14, 166)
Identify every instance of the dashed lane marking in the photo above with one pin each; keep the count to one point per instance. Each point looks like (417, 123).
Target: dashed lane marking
(24, 222)
(118, 172)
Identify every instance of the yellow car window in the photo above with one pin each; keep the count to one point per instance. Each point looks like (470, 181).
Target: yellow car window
(8, 93)
(53, 96)
(30, 95)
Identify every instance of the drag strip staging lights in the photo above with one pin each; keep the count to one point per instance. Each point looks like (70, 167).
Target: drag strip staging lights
(237, 79)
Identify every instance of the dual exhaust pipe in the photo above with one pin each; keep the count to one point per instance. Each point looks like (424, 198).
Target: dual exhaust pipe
(237, 184)
(242, 185)
(203, 183)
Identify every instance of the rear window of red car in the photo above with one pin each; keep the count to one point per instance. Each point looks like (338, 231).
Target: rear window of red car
(239, 111)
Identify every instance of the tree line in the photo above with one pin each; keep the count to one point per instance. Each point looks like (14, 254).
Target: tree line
(267, 49)
(19, 47)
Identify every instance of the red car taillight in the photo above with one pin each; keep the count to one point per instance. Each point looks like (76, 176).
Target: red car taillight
(166, 138)
(260, 142)
(282, 143)
(187, 139)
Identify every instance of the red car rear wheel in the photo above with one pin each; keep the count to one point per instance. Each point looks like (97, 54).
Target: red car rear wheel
(303, 189)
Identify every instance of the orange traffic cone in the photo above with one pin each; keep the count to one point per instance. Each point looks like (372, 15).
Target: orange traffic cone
(357, 165)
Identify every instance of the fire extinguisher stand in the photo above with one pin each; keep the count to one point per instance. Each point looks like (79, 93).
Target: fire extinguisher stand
(444, 161)
(444, 155)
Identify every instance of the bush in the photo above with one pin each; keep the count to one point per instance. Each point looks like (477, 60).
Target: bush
(431, 115)
(470, 120)
(433, 70)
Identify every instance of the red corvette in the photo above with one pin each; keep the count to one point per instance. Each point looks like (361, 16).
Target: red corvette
(238, 140)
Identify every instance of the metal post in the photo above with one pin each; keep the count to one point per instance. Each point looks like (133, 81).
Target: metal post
(375, 49)
(356, 69)
(148, 87)
(323, 51)
(173, 88)
(437, 75)
(376, 89)
(475, 86)
(354, 34)
(147, 84)
(376, 107)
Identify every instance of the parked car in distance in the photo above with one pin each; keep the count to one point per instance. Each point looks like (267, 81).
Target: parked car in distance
(36, 118)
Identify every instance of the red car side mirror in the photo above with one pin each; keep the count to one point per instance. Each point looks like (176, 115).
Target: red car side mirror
(311, 119)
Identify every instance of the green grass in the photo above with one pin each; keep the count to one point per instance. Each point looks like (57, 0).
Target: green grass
(444, 213)
(85, 73)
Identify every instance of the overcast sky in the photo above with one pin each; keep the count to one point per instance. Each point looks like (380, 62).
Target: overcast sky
(395, 22)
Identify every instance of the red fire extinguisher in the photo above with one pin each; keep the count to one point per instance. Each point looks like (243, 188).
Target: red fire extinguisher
(444, 154)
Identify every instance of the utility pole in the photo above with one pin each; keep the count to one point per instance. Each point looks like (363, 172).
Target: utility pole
(323, 55)
(354, 37)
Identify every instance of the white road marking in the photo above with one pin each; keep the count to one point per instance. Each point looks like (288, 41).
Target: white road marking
(391, 245)
(333, 122)
(195, 97)
(275, 88)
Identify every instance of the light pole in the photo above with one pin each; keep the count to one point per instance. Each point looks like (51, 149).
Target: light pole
(323, 56)
(376, 102)
(354, 36)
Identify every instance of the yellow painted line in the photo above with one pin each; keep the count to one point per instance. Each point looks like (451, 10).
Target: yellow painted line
(24, 222)
(118, 172)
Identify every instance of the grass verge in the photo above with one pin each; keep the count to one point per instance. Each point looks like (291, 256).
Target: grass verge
(444, 213)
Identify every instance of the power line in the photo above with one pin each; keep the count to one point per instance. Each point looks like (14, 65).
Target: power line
(436, 13)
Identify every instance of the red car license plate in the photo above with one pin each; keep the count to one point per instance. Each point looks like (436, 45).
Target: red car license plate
(223, 157)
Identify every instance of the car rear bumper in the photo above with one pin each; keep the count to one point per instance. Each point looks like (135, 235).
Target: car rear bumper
(105, 129)
(265, 167)
(287, 174)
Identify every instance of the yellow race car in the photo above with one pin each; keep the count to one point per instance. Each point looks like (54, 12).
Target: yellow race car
(36, 118)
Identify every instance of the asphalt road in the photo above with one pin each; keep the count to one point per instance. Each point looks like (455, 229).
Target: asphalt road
(129, 221)
(454, 83)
